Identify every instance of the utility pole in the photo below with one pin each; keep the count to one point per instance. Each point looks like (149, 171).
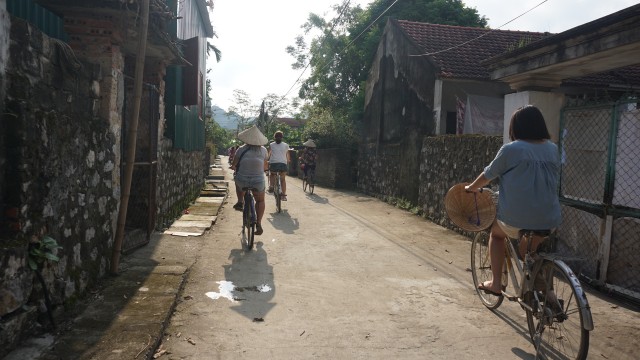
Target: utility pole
(132, 135)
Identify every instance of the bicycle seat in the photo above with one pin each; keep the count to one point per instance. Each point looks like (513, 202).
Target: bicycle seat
(536, 232)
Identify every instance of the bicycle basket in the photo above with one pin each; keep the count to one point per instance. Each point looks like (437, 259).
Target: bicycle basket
(470, 211)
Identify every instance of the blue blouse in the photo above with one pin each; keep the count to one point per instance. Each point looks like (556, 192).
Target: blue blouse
(529, 176)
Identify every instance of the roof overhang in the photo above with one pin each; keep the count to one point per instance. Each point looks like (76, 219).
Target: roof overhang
(604, 44)
(159, 44)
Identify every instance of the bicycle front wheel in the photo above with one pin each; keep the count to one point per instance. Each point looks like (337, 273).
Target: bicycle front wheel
(481, 269)
(556, 324)
(304, 185)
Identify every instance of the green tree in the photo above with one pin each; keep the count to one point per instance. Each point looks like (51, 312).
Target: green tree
(339, 58)
(243, 109)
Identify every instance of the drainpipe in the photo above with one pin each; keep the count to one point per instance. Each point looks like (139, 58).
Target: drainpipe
(132, 134)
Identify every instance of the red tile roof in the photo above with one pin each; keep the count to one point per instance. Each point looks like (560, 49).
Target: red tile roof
(465, 47)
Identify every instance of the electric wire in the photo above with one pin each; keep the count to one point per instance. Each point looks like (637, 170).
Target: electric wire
(346, 47)
(478, 37)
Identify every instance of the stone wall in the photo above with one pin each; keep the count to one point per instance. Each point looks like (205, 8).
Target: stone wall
(390, 170)
(446, 161)
(58, 170)
(334, 168)
(181, 176)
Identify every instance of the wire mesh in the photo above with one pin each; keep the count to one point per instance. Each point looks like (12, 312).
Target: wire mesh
(600, 233)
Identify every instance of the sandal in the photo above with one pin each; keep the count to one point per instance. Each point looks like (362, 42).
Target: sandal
(238, 206)
(488, 291)
(283, 197)
(259, 230)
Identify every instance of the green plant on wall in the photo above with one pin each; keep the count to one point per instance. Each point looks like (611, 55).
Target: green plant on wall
(40, 251)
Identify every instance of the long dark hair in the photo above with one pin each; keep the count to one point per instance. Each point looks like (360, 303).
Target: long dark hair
(527, 123)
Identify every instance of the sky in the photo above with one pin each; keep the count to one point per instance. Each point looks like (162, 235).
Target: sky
(253, 35)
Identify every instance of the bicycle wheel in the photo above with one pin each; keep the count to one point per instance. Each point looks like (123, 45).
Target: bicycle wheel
(481, 269)
(248, 223)
(312, 181)
(304, 185)
(556, 325)
(277, 193)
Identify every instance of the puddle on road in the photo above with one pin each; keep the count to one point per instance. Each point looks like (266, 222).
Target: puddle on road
(226, 289)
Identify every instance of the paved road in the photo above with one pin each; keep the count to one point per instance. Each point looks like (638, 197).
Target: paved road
(339, 275)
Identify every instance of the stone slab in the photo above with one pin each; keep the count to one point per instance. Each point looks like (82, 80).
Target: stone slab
(196, 217)
(192, 223)
(209, 200)
(183, 233)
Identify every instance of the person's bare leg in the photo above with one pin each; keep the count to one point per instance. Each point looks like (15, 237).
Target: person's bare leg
(283, 181)
(496, 251)
(272, 179)
(239, 194)
(259, 206)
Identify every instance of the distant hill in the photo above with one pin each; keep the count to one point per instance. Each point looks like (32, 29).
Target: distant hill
(226, 122)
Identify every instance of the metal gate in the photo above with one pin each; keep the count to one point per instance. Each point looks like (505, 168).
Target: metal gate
(141, 211)
(600, 193)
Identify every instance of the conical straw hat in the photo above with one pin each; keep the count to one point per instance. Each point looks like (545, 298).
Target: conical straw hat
(253, 136)
(309, 143)
(470, 211)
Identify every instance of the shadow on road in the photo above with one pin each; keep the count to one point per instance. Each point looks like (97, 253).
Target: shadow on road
(284, 222)
(522, 331)
(253, 282)
(317, 199)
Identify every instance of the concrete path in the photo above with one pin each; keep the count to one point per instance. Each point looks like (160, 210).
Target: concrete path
(336, 275)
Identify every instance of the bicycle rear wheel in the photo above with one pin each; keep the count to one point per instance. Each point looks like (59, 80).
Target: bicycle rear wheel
(556, 324)
(481, 269)
(248, 223)
(312, 181)
(277, 192)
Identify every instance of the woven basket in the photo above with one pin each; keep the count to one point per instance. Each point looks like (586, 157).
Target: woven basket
(470, 211)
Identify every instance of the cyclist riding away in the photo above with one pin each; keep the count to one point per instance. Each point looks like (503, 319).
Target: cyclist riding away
(528, 168)
(309, 157)
(249, 165)
(278, 161)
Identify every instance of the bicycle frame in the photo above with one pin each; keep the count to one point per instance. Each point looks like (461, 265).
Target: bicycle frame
(519, 273)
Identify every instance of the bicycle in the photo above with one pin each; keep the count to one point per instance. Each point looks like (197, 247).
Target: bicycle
(309, 181)
(277, 192)
(558, 313)
(249, 216)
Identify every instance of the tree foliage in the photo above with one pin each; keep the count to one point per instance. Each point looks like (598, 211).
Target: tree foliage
(339, 58)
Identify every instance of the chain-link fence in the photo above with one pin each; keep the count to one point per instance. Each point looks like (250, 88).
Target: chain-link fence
(600, 232)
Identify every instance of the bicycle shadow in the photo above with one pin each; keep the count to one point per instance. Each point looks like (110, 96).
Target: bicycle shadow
(253, 282)
(522, 331)
(284, 222)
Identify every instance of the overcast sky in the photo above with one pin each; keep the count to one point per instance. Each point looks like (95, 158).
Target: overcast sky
(253, 35)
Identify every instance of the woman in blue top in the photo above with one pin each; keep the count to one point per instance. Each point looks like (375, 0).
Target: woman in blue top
(528, 168)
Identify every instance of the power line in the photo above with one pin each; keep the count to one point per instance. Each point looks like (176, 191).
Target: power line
(322, 43)
(345, 48)
(487, 33)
